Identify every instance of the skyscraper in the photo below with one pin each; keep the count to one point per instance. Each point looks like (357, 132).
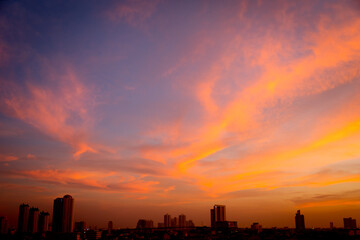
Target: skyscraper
(182, 221)
(57, 215)
(63, 214)
(299, 221)
(144, 224)
(33, 220)
(23, 218)
(3, 225)
(174, 222)
(110, 226)
(44, 218)
(349, 223)
(80, 226)
(217, 214)
(167, 220)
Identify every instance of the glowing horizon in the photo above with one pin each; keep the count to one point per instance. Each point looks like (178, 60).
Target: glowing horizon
(141, 108)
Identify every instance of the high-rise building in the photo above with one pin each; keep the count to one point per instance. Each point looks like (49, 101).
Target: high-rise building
(80, 226)
(217, 214)
(331, 225)
(174, 222)
(190, 224)
(3, 225)
(143, 224)
(299, 221)
(23, 218)
(182, 221)
(57, 215)
(256, 227)
(110, 226)
(44, 220)
(63, 214)
(349, 223)
(167, 220)
(33, 220)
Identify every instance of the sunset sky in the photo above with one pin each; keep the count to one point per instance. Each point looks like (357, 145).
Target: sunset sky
(142, 108)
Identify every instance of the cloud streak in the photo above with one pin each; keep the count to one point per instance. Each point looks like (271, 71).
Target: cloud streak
(60, 112)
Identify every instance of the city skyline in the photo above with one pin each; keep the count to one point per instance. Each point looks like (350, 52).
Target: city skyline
(141, 108)
(63, 222)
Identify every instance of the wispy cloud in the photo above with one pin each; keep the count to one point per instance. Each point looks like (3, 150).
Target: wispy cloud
(324, 200)
(60, 112)
(93, 180)
(8, 158)
(133, 12)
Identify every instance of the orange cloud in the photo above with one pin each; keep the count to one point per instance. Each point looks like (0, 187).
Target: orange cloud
(341, 202)
(60, 113)
(30, 156)
(300, 77)
(7, 158)
(278, 84)
(328, 200)
(105, 181)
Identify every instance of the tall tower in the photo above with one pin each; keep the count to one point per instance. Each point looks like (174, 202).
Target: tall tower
(182, 221)
(217, 214)
(44, 218)
(174, 222)
(23, 217)
(110, 226)
(33, 220)
(68, 214)
(349, 223)
(57, 215)
(299, 221)
(167, 220)
(3, 225)
(63, 214)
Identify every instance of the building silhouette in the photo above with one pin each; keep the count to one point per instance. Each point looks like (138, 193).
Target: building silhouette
(3, 225)
(23, 218)
(256, 227)
(182, 221)
(110, 226)
(217, 214)
(190, 224)
(44, 221)
(174, 222)
(299, 221)
(144, 224)
(349, 223)
(80, 226)
(63, 214)
(33, 220)
(167, 220)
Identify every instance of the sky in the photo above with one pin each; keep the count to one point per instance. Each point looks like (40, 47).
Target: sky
(142, 108)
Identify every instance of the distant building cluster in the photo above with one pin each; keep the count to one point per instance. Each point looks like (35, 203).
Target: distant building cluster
(31, 220)
(349, 223)
(176, 222)
(218, 218)
(33, 224)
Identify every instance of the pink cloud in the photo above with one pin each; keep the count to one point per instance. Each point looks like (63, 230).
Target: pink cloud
(60, 112)
(93, 180)
(7, 158)
(134, 12)
(279, 81)
(30, 156)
